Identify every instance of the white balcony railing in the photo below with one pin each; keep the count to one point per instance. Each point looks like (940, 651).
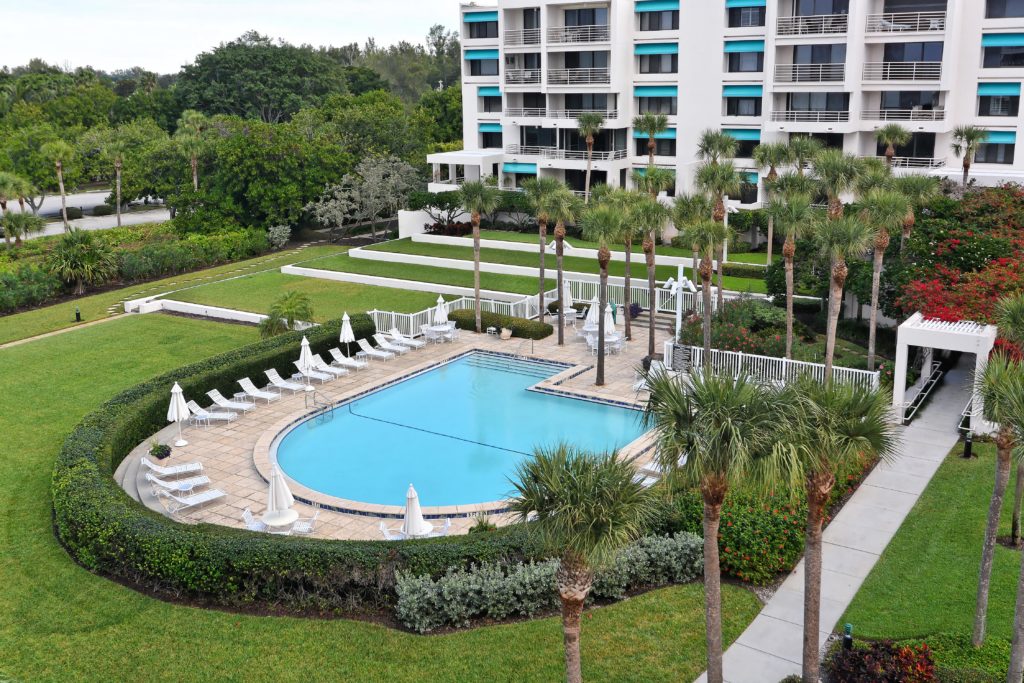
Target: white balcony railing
(596, 33)
(575, 113)
(810, 73)
(527, 112)
(528, 36)
(914, 162)
(906, 22)
(568, 154)
(588, 76)
(820, 24)
(938, 114)
(522, 76)
(811, 116)
(903, 71)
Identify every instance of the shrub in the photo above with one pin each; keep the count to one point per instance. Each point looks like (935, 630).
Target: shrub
(74, 213)
(25, 286)
(102, 210)
(744, 270)
(527, 329)
(881, 662)
(499, 591)
(278, 236)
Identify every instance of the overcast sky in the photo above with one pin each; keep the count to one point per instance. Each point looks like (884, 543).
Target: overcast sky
(162, 35)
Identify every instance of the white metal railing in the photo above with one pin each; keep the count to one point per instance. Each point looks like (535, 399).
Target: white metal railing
(449, 181)
(526, 36)
(772, 369)
(915, 162)
(817, 24)
(810, 73)
(937, 114)
(410, 323)
(596, 33)
(568, 154)
(535, 112)
(911, 407)
(584, 291)
(903, 22)
(522, 76)
(811, 116)
(902, 71)
(585, 76)
(575, 113)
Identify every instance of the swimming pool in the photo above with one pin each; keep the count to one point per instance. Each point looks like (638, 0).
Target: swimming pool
(456, 432)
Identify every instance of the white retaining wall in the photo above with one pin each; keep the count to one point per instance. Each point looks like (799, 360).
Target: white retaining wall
(395, 283)
(204, 311)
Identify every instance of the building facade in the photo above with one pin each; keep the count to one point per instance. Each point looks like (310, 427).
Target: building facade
(762, 70)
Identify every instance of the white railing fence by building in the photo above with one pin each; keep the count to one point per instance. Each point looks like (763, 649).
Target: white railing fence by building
(410, 323)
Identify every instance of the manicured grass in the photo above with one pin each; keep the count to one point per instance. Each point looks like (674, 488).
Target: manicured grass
(94, 307)
(577, 242)
(61, 623)
(925, 583)
(756, 257)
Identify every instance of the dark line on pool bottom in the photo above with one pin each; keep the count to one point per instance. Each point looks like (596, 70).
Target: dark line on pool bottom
(427, 431)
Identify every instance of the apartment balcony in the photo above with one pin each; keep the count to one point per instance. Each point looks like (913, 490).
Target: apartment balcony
(575, 113)
(587, 76)
(822, 116)
(527, 112)
(937, 114)
(903, 71)
(529, 36)
(913, 162)
(906, 22)
(522, 76)
(567, 154)
(817, 25)
(570, 35)
(810, 73)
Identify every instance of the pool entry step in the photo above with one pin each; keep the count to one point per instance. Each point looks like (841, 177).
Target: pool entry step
(528, 367)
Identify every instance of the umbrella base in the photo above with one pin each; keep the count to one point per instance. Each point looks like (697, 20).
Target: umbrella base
(309, 387)
(180, 443)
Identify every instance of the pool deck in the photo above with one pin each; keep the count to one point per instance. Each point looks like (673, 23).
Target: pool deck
(236, 455)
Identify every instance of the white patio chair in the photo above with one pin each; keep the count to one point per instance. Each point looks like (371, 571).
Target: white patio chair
(305, 526)
(430, 334)
(399, 338)
(313, 374)
(443, 531)
(453, 331)
(280, 383)
(179, 485)
(222, 402)
(175, 504)
(390, 535)
(343, 361)
(172, 470)
(371, 352)
(250, 389)
(250, 521)
(386, 345)
(321, 366)
(201, 415)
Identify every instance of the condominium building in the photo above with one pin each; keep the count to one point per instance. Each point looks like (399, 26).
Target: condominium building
(762, 70)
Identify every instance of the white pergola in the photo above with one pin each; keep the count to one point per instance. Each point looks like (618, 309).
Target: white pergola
(964, 336)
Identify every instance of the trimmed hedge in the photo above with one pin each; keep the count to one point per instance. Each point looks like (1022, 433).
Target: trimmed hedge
(107, 532)
(465, 319)
(744, 270)
(102, 210)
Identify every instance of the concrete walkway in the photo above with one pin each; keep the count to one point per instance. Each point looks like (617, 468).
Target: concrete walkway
(771, 647)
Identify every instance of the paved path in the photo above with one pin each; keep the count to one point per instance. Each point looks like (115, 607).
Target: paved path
(157, 215)
(771, 647)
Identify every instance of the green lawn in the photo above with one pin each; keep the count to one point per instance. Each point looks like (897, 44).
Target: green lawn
(58, 622)
(924, 585)
(756, 257)
(578, 242)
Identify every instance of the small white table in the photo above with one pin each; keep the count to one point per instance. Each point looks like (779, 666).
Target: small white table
(280, 518)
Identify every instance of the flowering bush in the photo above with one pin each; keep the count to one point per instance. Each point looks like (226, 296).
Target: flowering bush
(882, 662)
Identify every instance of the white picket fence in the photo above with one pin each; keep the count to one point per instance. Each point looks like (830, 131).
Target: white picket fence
(583, 292)
(410, 323)
(769, 368)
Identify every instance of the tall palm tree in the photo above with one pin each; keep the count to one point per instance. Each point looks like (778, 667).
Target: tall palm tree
(771, 155)
(585, 508)
(60, 153)
(714, 146)
(803, 149)
(828, 424)
(116, 148)
(289, 309)
(795, 215)
(479, 198)
(627, 201)
(12, 188)
(839, 239)
(687, 210)
(1013, 409)
(719, 180)
(1010, 319)
(884, 211)
(649, 217)
(79, 258)
(653, 180)
(189, 136)
(966, 140)
(650, 125)
(919, 190)
(837, 174)
(539, 191)
(892, 135)
(563, 207)
(602, 223)
(705, 235)
(722, 426)
(588, 125)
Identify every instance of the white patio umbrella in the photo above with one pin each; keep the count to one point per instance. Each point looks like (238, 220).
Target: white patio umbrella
(347, 336)
(593, 312)
(177, 411)
(567, 300)
(609, 320)
(441, 311)
(306, 361)
(413, 524)
(279, 497)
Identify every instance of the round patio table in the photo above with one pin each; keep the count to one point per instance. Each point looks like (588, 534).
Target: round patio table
(280, 518)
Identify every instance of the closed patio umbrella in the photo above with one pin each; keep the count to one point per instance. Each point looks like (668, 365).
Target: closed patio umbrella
(306, 361)
(441, 312)
(177, 411)
(609, 320)
(413, 524)
(347, 336)
(593, 312)
(279, 500)
(567, 300)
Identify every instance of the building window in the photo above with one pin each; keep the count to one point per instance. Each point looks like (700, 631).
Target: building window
(818, 101)
(921, 145)
(483, 67)
(828, 140)
(483, 29)
(531, 18)
(490, 140)
(657, 105)
(587, 101)
(659, 64)
(913, 52)
(659, 21)
(990, 153)
(1004, 9)
(998, 105)
(746, 62)
(742, 106)
(748, 192)
(819, 54)
(492, 105)
(1004, 57)
(586, 60)
(597, 16)
(813, 8)
(662, 148)
(910, 99)
(746, 17)
(534, 136)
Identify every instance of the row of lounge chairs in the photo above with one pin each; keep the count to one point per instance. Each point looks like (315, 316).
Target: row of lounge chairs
(175, 485)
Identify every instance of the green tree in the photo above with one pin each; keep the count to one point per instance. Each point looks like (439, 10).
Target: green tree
(479, 198)
(804, 149)
(1010, 319)
(883, 210)
(563, 207)
(647, 217)
(588, 125)
(966, 140)
(795, 215)
(12, 188)
(443, 108)
(714, 146)
(892, 135)
(21, 225)
(650, 125)
(287, 310)
(60, 152)
(603, 223)
(919, 190)
(79, 258)
(837, 174)
(584, 508)
(539, 191)
(771, 155)
(705, 235)
(719, 179)
(688, 209)
(191, 141)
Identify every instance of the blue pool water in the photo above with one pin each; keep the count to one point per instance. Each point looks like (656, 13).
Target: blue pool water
(455, 432)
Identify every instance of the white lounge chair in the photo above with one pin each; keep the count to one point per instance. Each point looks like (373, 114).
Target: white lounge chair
(172, 470)
(180, 485)
(399, 338)
(200, 415)
(251, 523)
(343, 361)
(175, 504)
(645, 481)
(305, 526)
(249, 388)
(371, 352)
(443, 531)
(430, 334)
(390, 535)
(321, 366)
(313, 374)
(222, 402)
(281, 383)
(386, 345)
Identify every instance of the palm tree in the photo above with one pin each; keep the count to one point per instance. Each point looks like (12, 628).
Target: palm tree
(883, 210)
(771, 155)
(705, 235)
(719, 180)
(839, 239)
(966, 140)
(652, 180)
(479, 198)
(285, 312)
(585, 508)
(803, 149)
(189, 135)
(539, 191)
(919, 190)
(714, 146)
(1013, 409)
(627, 201)
(892, 135)
(828, 424)
(79, 258)
(20, 225)
(837, 173)
(116, 149)
(795, 215)
(12, 187)
(60, 152)
(649, 217)
(687, 210)
(588, 125)
(602, 223)
(650, 125)
(722, 426)
(1010, 318)
(563, 207)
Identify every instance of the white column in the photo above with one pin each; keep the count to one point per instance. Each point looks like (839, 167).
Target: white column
(899, 380)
